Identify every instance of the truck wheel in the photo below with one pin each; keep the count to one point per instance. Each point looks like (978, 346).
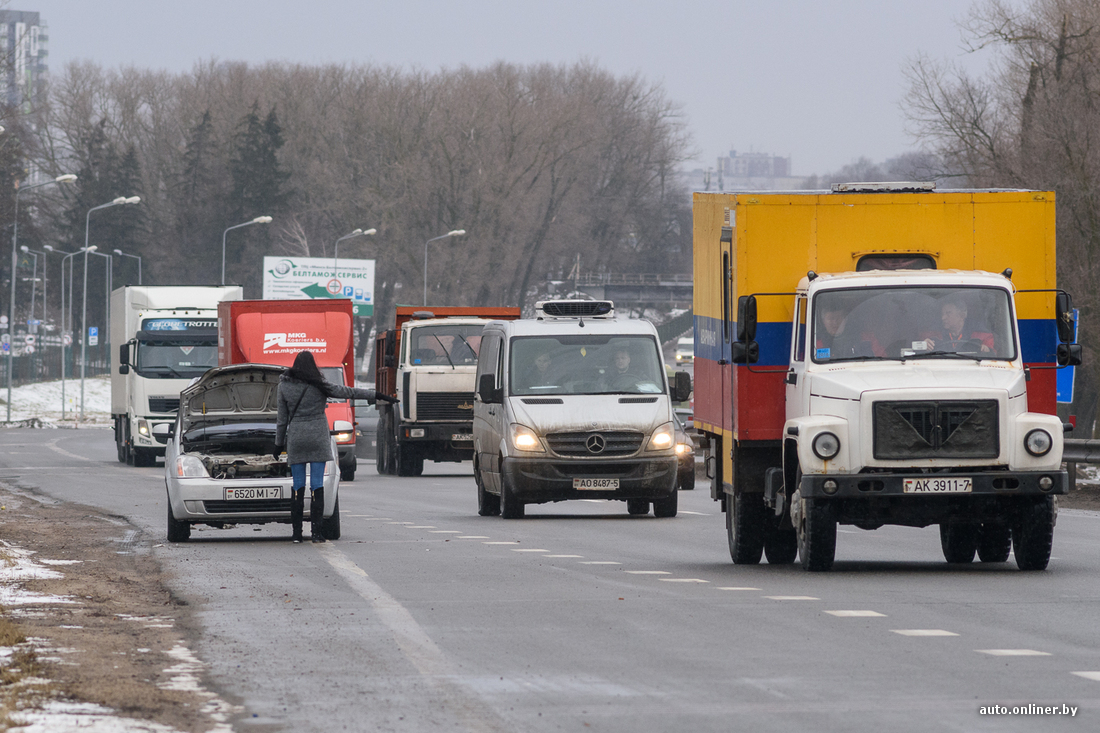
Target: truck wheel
(143, 458)
(637, 507)
(745, 527)
(488, 505)
(959, 541)
(510, 506)
(1033, 534)
(994, 543)
(409, 463)
(177, 531)
(780, 545)
(330, 527)
(665, 508)
(816, 536)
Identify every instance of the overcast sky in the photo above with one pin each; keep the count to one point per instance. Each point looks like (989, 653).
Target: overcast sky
(818, 80)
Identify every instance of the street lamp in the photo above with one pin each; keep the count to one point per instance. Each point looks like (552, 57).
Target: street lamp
(84, 314)
(336, 247)
(120, 253)
(66, 178)
(257, 220)
(452, 233)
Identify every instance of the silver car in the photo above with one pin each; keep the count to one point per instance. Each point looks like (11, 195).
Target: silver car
(218, 465)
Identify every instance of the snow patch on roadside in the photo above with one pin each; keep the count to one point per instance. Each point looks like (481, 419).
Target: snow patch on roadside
(16, 567)
(39, 404)
(71, 717)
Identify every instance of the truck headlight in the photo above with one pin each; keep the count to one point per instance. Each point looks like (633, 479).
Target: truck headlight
(143, 427)
(525, 439)
(190, 467)
(662, 438)
(826, 446)
(1038, 442)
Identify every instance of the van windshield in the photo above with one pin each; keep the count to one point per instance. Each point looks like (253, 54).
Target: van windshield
(912, 323)
(589, 364)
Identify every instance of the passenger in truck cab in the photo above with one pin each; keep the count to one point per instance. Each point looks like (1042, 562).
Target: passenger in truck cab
(957, 334)
(833, 339)
(833, 318)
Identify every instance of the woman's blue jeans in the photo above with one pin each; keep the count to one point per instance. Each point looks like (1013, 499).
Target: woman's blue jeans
(316, 475)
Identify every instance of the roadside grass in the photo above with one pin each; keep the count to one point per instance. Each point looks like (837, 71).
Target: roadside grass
(21, 684)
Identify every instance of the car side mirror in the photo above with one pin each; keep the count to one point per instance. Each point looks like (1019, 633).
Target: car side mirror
(487, 391)
(681, 387)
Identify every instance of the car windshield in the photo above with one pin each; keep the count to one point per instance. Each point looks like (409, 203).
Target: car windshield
(450, 345)
(863, 324)
(589, 364)
(165, 360)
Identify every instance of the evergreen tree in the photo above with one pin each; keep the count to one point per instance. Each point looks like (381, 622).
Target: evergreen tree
(200, 203)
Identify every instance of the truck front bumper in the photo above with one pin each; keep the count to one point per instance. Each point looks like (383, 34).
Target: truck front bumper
(441, 441)
(537, 480)
(989, 483)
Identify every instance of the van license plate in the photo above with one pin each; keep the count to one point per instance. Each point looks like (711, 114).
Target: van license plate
(595, 484)
(253, 492)
(463, 437)
(937, 486)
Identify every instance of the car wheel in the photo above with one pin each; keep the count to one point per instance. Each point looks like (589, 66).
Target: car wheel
(1033, 534)
(745, 527)
(666, 508)
(488, 505)
(637, 506)
(994, 542)
(330, 527)
(177, 531)
(510, 506)
(959, 541)
(816, 535)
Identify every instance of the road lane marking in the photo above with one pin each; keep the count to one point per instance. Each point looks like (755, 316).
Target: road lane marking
(1013, 652)
(445, 531)
(438, 671)
(856, 614)
(563, 555)
(731, 587)
(398, 522)
(473, 537)
(600, 562)
(683, 580)
(373, 519)
(792, 598)
(698, 514)
(420, 526)
(52, 445)
(1094, 676)
(648, 572)
(923, 632)
(506, 542)
(528, 549)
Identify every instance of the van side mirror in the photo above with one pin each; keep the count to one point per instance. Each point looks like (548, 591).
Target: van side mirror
(124, 359)
(746, 318)
(1064, 314)
(681, 387)
(487, 391)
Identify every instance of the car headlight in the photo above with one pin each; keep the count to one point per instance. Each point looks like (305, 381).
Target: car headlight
(1038, 442)
(525, 439)
(190, 467)
(826, 446)
(663, 438)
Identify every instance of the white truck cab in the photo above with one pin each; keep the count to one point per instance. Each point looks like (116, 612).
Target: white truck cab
(574, 404)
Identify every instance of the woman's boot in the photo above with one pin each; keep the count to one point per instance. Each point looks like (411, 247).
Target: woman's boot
(316, 513)
(297, 509)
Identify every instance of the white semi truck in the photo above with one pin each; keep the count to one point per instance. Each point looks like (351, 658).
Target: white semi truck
(165, 337)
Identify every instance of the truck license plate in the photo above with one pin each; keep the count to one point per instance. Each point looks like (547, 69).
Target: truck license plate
(464, 437)
(937, 486)
(595, 484)
(253, 492)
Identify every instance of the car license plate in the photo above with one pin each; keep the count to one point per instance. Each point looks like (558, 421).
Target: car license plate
(595, 484)
(937, 486)
(468, 437)
(253, 492)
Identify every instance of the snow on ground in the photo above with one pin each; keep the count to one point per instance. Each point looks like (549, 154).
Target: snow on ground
(42, 400)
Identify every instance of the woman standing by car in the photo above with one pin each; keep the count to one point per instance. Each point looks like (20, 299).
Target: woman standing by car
(302, 429)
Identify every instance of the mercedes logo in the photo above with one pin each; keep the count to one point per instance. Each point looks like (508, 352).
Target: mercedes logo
(595, 443)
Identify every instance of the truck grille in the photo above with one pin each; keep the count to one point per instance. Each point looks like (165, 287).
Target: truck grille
(449, 406)
(595, 444)
(936, 429)
(164, 404)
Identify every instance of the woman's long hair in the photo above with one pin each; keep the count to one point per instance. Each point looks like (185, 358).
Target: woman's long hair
(305, 369)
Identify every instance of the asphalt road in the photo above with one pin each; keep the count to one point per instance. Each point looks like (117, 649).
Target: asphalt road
(427, 617)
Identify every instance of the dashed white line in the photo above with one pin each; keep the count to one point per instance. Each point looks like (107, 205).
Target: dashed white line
(1094, 676)
(648, 572)
(683, 580)
(792, 598)
(1013, 652)
(856, 614)
(923, 632)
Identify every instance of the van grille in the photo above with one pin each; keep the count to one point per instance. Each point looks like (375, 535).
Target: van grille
(450, 406)
(936, 429)
(595, 444)
(164, 404)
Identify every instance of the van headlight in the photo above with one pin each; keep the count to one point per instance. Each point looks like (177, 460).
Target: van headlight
(826, 446)
(663, 438)
(345, 437)
(1038, 442)
(525, 439)
(190, 467)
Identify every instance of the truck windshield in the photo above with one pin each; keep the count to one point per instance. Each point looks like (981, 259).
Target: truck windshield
(450, 345)
(596, 364)
(167, 360)
(912, 323)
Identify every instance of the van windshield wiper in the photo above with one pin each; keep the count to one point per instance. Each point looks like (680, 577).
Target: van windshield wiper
(953, 354)
(835, 359)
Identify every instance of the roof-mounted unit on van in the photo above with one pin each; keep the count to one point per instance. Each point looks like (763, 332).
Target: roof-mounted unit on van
(575, 309)
(885, 187)
(422, 315)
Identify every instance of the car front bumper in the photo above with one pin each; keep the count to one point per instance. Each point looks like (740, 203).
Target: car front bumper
(537, 480)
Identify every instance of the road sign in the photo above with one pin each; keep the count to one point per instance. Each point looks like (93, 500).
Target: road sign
(29, 339)
(67, 338)
(5, 347)
(93, 336)
(28, 349)
(5, 338)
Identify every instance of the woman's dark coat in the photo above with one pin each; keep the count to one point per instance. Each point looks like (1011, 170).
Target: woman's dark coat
(302, 426)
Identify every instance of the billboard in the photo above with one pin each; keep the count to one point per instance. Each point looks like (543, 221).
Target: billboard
(304, 278)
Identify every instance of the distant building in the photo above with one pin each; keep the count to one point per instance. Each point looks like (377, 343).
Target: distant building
(745, 171)
(23, 39)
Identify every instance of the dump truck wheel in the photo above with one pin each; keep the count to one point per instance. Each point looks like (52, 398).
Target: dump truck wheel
(780, 545)
(1033, 534)
(816, 536)
(994, 543)
(959, 541)
(745, 517)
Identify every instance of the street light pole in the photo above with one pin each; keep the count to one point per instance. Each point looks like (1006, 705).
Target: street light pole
(336, 247)
(66, 178)
(257, 220)
(120, 253)
(452, 233)
(84, 314)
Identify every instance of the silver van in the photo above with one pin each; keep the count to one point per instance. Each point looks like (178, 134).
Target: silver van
(574, 404)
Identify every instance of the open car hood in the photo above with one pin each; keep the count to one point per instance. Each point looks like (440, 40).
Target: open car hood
(229, 395)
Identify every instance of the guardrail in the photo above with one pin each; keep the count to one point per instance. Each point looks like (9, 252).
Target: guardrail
(1079, 451)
